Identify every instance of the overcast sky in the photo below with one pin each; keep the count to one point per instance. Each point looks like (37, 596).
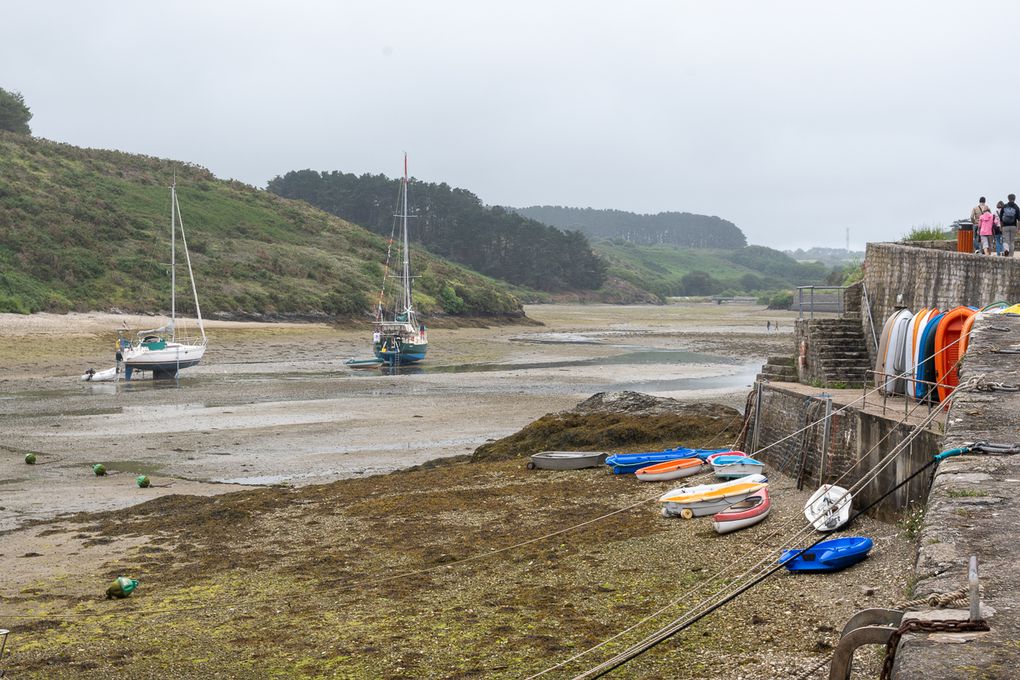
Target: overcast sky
(795, 120)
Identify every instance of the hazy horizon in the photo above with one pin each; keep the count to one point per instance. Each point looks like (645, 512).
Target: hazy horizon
(793, 120)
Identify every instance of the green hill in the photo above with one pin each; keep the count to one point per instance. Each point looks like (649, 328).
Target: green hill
(669, 271)
(85, 229)
(681, 229)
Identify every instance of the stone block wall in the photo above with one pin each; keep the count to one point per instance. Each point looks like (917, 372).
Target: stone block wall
(852, 436)
(972, 510)
(926, 277)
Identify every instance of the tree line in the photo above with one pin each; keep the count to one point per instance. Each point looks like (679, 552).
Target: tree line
(686, 230)
(454, 223)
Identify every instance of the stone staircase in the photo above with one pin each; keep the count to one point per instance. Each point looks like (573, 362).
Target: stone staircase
(778, 369)
(837, 351)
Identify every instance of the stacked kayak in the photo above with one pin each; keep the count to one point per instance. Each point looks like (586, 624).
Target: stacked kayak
(731, 467)
(626, 463)
(708, 499)
(671, 469)
(743, 514)
(828, 556)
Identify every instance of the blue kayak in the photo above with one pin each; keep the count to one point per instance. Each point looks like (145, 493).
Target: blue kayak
(828, 556)
(925, 370)
(627, 463)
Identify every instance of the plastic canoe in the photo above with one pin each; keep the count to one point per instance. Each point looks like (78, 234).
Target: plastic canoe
(828, 508)
(925, 360)
(828, 556)
(566, 460)
(729, 467)
(947, 349)
(707, 499)
(743, 514)
(625, 463)
(883, 348)
(671, 469)
(711, 457)
(894, 352)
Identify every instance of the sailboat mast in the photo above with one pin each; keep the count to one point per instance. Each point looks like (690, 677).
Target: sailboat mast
(407, 258)
(173, 249)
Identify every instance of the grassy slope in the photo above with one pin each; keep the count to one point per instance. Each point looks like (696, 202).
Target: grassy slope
(659, 268)
(86, 229)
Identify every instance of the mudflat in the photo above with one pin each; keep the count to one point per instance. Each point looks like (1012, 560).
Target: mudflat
(275, 404)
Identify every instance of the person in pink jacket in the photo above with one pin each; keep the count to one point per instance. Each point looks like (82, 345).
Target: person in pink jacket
(986, 227)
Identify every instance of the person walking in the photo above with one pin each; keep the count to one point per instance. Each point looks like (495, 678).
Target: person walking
(998, 228)
(1009, 217)
(975, 215)
(986, 227)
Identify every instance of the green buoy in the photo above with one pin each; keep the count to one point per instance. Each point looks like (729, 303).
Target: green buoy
(143, 481)
(122, 586)
(99, 469)
(30, 458)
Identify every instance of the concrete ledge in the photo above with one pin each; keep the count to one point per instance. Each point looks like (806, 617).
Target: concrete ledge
(973, 509)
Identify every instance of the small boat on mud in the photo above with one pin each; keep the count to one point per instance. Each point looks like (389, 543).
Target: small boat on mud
(828, 508)
(107, 375)
(828, 556)
(709, 458)
(708, 499)
(626, 463)
(743, 514)
(671, 469)
(566, 460)
(731, 467)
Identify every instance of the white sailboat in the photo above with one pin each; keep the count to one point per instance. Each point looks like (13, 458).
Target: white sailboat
(399, 338)
(163, 350)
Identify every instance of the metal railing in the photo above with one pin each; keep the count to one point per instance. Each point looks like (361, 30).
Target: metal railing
(886, 378)
(833, 301)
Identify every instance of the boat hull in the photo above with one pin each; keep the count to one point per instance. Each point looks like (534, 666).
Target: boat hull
(746, 513)
(163, 362)
(828, 508)
(732, 467)
(708, 499)
(626, 463)
(828, 556)
(566, 460)
(672, 469)
(407, 353)
(947, 349)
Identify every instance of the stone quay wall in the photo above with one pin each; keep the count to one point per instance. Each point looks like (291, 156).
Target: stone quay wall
(972, 510)
(856, 440)
(897, 275)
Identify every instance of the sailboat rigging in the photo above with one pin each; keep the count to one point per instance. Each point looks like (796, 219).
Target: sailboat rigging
(163, 350)
(398, 337)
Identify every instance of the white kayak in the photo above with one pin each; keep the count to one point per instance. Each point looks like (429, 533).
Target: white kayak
(828, 508)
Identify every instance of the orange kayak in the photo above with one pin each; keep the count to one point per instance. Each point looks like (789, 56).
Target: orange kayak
(671, 469)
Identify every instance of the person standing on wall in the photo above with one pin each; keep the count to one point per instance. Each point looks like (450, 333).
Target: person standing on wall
(998, 228)
(975, 215)
(986, 226)
(1009, 217)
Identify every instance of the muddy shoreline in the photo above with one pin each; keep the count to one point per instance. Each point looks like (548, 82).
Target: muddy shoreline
(456, 570)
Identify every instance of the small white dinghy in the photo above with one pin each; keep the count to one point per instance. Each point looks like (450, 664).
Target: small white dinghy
(828, 508)
(92, 375)
(566, 460)
(731, 467)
